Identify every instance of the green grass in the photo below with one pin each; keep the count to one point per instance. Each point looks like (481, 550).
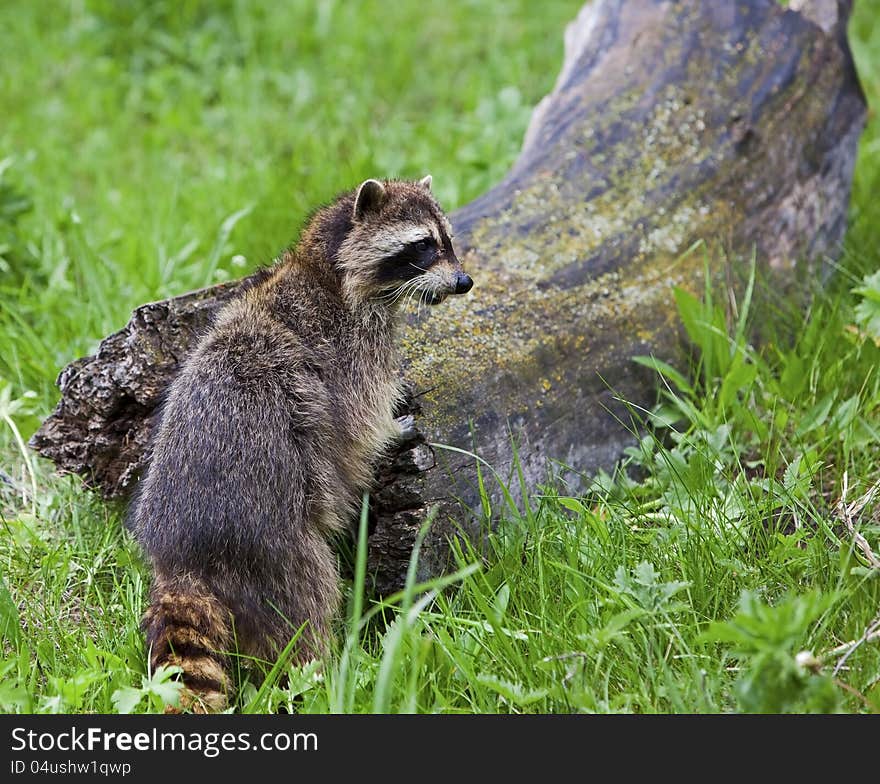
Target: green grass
(146, 152)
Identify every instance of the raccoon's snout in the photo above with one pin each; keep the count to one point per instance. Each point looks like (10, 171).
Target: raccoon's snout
(463, 283)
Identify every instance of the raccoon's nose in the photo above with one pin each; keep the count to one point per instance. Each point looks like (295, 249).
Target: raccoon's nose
(463, 283)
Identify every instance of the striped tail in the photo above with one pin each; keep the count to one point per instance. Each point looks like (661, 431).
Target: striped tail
(187, 626)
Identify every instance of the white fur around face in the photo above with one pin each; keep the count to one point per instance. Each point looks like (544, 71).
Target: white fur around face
(447, 227)
(393, 239)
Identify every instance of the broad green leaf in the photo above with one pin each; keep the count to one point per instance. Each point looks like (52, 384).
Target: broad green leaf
(9, 624)
(792, 472)
(666, 370)
(126, 699)
(794, 376)
(167, 691)
(738, 378)
(515, 693)
(501, 600)
(845, 413)
(816, 416)
(572, 504)
(867, 311)
(690, 309)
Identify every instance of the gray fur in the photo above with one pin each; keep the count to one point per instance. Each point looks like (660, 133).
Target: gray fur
(270, 434)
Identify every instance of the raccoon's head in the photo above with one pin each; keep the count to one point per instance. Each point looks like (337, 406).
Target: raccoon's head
(399, 246)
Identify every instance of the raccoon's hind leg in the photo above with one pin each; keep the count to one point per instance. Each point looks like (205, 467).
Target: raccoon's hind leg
(302, 599)
(186, 625)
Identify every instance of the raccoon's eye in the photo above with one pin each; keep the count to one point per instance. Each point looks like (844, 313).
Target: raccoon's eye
(425, 244)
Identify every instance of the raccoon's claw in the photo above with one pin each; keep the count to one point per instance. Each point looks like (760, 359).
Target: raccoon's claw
(408, 431)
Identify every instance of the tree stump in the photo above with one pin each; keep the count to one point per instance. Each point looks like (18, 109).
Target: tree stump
(670, 123)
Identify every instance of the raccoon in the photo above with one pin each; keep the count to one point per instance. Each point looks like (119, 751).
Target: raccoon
(270, 433)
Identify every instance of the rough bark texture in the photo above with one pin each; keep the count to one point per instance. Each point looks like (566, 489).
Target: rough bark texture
(670, 122)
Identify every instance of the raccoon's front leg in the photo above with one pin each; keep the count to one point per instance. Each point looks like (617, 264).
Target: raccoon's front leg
(187, 626)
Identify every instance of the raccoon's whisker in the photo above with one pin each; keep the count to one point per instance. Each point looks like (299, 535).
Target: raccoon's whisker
(392, 296)
(411, 293)
(400, 291)
(395, 293)
(415, 286)
(420, 291)
(408, 289)
(423, 300)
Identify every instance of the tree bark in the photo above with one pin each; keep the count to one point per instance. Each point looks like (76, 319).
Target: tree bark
(670, 123)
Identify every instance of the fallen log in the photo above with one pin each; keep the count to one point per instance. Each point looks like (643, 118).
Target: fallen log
(670, 122)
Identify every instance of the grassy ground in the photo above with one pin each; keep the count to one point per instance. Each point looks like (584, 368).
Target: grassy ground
(133, 167)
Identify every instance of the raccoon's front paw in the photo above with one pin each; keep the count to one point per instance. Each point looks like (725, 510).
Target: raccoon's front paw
(406, 431)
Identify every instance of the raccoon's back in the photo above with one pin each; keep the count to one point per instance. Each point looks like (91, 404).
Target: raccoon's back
(232, 465)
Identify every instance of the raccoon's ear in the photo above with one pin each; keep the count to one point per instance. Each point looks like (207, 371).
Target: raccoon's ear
(370, 196)
(425, 182)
